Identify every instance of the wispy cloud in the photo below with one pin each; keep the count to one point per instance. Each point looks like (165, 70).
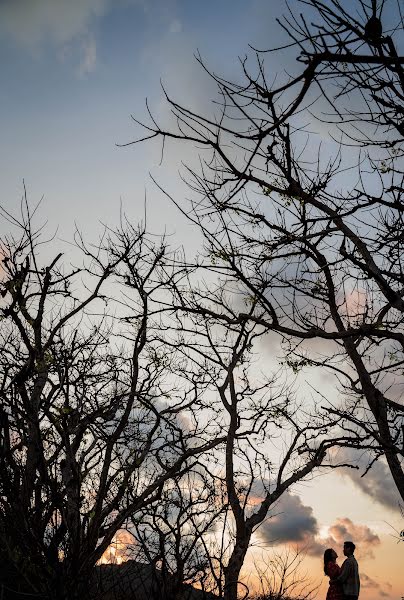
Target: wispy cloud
(175, 26)
(33, 22)
(89, 57)
(65, 26)
(377, 483)
(370, 583)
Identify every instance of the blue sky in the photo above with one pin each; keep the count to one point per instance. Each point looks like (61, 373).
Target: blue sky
(72, 72)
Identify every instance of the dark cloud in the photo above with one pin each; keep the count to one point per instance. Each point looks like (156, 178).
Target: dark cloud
(378, 483)
(293, 522)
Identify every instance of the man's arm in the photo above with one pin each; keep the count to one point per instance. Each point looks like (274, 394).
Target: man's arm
(345, 571)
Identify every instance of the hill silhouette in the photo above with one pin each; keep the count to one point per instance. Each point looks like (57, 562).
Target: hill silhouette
(134, 580)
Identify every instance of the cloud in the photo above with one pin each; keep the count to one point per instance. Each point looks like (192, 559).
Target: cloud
(175, 26)
(65, 25)
(369, 583)
(362, 536)
(377, 483)
(32, 22)
(89, 57)
(293, 523)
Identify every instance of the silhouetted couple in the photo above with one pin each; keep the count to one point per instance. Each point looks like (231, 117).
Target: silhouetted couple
(344, 581)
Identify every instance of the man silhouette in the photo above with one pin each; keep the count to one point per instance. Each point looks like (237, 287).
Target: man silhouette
(349, 576)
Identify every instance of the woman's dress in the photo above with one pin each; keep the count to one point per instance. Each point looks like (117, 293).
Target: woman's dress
(335, 588)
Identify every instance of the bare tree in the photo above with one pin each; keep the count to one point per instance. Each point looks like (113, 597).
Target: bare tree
(173, 535)
(96, 415)
(270, 443)
(281, 574)
(299, 199)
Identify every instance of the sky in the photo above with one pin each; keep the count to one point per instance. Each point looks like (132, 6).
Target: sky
(72, 74)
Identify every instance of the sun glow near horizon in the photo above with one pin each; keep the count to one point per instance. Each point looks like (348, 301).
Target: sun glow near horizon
(119, 550)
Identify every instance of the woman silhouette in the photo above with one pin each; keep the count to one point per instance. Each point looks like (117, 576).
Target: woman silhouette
(332, 570)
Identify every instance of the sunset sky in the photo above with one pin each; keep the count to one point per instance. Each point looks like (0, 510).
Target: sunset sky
(72, 73)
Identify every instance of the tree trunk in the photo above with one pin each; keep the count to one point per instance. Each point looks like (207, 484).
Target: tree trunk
(377, 405)
(232, 571)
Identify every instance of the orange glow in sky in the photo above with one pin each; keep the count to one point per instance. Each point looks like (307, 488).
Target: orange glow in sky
(118, 551)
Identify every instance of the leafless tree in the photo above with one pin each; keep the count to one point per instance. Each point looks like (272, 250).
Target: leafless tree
(281, 574)
(299, 196)
(96, 415)
(173, 535)
(270, 443)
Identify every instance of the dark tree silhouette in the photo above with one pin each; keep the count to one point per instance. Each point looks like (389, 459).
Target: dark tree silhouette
(174, 535)
(90, 402)
(299, 196)
(281, 574)
(271, 443)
